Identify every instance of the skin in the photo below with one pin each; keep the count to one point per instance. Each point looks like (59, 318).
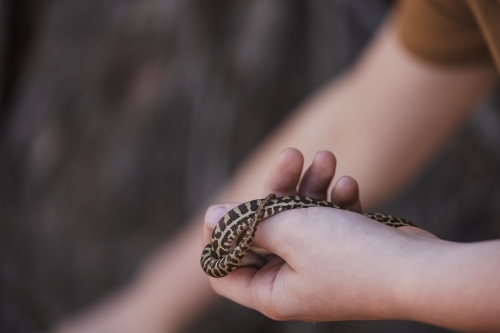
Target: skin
(337, 265)
(419, 104)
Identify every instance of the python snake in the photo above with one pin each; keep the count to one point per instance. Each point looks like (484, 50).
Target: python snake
(223, 255)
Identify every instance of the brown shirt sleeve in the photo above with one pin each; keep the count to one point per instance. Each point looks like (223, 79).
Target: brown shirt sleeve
(444, 32)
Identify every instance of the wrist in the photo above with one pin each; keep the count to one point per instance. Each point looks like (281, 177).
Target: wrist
(377, 281)
(385, 292)
(411, 256)
(417, 287)
(453, 285)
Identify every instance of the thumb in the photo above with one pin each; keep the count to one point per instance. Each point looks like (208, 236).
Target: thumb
(283, 234)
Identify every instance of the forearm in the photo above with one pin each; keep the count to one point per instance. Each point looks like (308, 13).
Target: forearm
(171, 288)
(383, 120)
(453, 285)
(382, 132)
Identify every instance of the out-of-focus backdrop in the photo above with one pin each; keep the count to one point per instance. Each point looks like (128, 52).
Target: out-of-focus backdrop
(119, 118)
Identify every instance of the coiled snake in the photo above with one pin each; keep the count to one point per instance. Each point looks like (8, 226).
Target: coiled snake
(223, 255)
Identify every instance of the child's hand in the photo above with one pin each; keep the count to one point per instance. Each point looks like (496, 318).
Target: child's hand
(330, 264)
(283, 180)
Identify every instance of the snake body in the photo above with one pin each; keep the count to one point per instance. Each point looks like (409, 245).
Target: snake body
(224, 254)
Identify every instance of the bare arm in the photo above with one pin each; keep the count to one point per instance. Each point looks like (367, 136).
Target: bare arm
(383, 120)
(453, 285)
(338, 265)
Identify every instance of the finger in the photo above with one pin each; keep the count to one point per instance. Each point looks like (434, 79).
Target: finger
(285, 173)
(318, 176)
(252, 259)
(249, 286)
(346, 194)
(283, 234)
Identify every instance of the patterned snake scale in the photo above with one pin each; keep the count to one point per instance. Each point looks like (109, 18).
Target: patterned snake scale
(222, 255)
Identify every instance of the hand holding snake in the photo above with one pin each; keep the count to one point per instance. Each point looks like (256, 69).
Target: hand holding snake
(326, 258)
(232, 237)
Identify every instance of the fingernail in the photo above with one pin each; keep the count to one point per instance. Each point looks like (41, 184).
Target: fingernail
(316, 156)
(214, 214)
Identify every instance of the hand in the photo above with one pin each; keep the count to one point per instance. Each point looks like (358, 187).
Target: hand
(283, 180)
(331, 264)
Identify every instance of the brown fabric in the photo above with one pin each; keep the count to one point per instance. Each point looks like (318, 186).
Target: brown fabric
(487, 14)
(451, 32)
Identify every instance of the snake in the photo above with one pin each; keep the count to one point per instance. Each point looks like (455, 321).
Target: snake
(225, 252)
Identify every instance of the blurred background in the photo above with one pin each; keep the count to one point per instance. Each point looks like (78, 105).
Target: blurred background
(120, 118)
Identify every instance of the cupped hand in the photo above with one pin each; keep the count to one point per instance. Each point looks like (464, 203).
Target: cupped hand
(330, 264)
